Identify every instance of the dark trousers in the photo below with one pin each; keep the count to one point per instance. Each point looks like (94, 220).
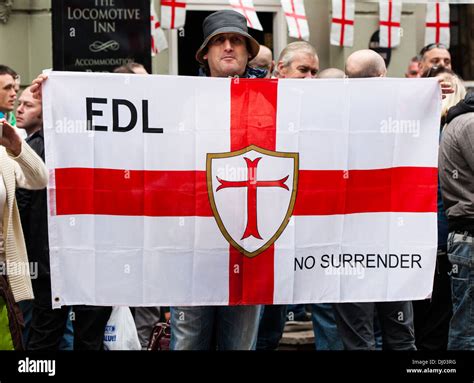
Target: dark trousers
(271, 326)
(355, 322)
(48, 325)
(432, 316)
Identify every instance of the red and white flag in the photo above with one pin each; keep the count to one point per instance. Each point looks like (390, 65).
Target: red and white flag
(158, 38)
(296, 18)
(390, 18)
(226, 192)
(437, 24)
(246, 8)
(173, 14)
(342, 23)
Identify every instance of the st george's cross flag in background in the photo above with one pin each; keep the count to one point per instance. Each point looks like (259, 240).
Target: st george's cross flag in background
(437, 23)
(158, 38)
(342, 23)
(247, 9)
(295, 15)
(390, 19)
(170, 190)
(173, 14)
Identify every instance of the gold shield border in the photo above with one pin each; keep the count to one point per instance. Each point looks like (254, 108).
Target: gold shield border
(286, 220)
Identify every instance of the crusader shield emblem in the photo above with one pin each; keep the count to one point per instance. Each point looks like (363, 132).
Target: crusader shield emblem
(252, 194)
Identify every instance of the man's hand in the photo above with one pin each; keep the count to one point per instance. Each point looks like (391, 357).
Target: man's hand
(36, 86)
(10, 138)
(446, 87)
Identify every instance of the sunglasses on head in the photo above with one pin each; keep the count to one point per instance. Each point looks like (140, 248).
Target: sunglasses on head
(432, 46)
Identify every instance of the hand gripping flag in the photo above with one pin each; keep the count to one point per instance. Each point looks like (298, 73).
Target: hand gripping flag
(296, 19)
(437, 24)
(342, 23)
(173, 14)
(390, 16)
(246, 8)
(158, 38)
(170, 190)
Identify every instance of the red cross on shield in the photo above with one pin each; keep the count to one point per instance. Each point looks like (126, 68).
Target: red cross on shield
(252, 193)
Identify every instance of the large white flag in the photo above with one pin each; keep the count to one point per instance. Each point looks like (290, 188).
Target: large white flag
(172, 190)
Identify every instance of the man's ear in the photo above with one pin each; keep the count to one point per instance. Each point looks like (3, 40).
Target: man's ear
(204, 57)
(420, 65)
(280, 68)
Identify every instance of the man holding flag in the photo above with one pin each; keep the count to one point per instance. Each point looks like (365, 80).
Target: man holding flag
(225, 52)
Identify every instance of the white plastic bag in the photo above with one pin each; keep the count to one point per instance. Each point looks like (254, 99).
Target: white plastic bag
(120, 332)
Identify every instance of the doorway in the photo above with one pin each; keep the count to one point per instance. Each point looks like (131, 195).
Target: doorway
(191, 38)
(462, 41)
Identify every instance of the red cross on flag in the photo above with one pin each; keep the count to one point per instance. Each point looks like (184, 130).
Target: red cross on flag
(390, 16)
(437, 24)
(246, 8)
(342, 23)
(296, 18)
(168, 190)
(158, 38)
(173, 14)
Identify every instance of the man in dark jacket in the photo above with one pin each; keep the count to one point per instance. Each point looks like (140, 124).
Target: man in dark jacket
(456, 172)
(48, 325)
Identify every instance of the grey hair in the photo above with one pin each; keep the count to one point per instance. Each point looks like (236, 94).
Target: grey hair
(287, 55)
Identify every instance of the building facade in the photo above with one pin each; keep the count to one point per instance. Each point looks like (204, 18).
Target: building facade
(26, 35)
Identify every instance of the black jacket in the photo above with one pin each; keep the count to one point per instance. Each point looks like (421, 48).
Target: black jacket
(462, 107)
(32, 205)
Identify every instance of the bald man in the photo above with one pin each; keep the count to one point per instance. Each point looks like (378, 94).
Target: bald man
(365, 63)
(355, 321)
(331, 73)
(264, 60)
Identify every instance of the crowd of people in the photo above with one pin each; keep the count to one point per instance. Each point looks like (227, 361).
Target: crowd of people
(442, 322)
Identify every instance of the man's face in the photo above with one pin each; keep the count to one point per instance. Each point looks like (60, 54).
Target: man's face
(435, 57)
(263, 60)
(304, 65)
(227, 55)
(7, 93)
(28, 113)
(412, 71)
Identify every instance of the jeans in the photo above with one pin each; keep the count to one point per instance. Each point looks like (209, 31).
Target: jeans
(326, 335)
(461, 327)
(232, 327)
(272, 324)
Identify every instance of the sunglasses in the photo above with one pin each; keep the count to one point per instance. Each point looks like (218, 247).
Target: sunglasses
(432, 46)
